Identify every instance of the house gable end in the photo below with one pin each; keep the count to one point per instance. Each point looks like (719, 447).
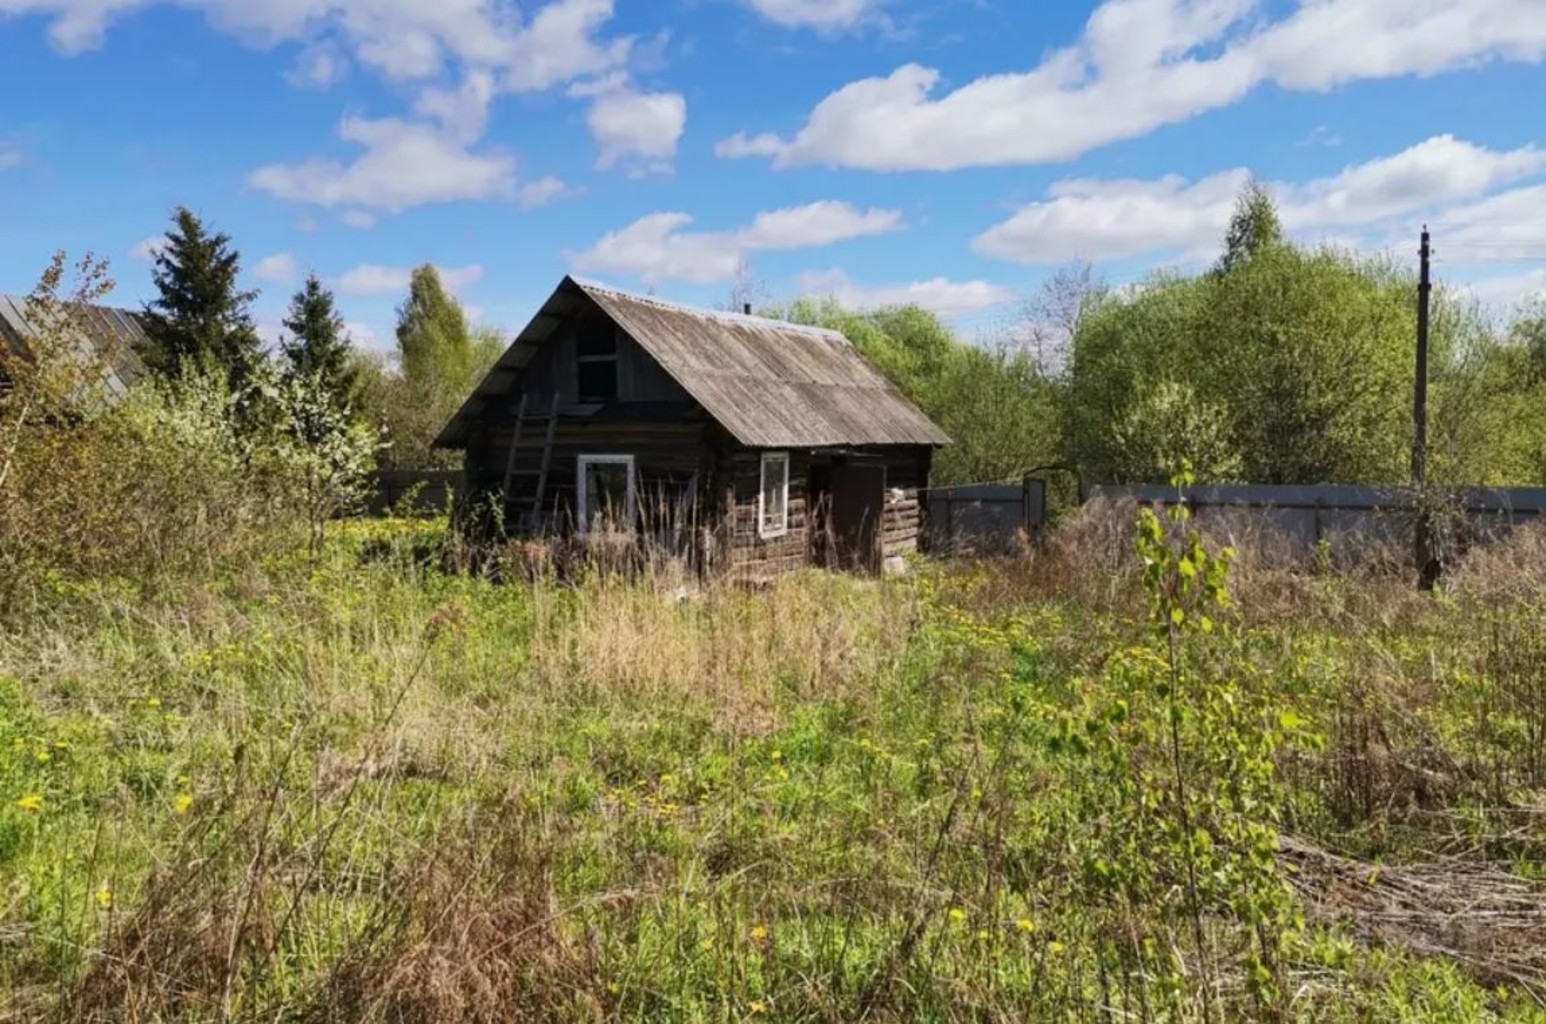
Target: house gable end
(545, 362)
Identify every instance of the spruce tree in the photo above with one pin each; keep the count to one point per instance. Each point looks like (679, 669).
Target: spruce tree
(317, 344)
(200, 319)
(1254, 228)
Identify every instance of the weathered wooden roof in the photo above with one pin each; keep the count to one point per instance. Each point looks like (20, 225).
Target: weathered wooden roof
(109, 334)
(771, 384)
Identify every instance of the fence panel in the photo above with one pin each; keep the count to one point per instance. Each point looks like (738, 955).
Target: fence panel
(1348, 520)
(414, 491)
(985, 519)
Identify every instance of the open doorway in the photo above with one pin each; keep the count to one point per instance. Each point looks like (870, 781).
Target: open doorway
(818, 504)
(857, 505)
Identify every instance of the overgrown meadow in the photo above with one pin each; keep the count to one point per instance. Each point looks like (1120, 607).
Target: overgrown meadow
(1131, 776)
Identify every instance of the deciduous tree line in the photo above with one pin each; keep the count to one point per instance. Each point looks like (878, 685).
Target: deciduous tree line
(1279, 364)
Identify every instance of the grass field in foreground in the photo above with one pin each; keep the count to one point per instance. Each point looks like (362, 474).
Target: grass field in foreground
(365, 789)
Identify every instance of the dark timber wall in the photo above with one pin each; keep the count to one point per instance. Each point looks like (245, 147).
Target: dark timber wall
(748, 555)
(668, 456)
(907, 475)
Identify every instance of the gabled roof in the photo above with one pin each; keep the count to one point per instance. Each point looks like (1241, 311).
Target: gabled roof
(770, 384)
(112, 335)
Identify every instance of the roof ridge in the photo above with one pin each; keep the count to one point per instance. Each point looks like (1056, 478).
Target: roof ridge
(710, 314)
(19, 299)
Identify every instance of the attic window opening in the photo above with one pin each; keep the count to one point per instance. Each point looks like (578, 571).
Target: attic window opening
(596, 349)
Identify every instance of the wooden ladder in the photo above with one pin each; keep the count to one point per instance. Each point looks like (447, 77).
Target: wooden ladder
(531, 509)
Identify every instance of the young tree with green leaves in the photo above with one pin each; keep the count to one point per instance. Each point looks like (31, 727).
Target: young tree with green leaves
(1528, 333)
(997, 406)
(200, 319)
(440, 360)
(1301, 359)
(433, 341)
(318, 344)
(1255, 227)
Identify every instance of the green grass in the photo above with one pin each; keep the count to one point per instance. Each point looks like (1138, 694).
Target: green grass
(369, 790)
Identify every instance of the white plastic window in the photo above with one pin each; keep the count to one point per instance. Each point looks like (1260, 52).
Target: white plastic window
(773, 500)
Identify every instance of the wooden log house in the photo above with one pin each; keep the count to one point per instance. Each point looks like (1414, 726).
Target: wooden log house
(750, 445)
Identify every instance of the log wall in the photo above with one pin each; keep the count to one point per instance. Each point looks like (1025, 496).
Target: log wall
(697, 488)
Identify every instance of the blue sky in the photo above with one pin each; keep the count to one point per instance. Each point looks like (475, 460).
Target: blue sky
(950, 152)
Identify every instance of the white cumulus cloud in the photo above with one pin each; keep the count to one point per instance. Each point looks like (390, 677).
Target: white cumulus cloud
(1096, 220)
(374, 279)
(637, 129)
(1139, 65)
(948, 299)
(657, 247)
(492, 47)
(405, 164)
(823, 15)
(403, 39)
(544, 192)
(280, 268)
(821, 223)
(318, 66)
(435, 158)
(1506, 292)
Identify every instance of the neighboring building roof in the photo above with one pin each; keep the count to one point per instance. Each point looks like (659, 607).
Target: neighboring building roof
(112, 334)
(770, 384)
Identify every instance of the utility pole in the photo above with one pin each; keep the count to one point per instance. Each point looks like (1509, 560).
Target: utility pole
(1420, 396)
(1427, 564)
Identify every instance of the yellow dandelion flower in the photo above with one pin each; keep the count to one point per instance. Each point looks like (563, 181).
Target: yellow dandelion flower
(154, 702)
(105, 898)
(777, 755)
(706, 944)
(33, 802)
(1056, 948)
(1025, 926)
(44, 757)
(757, 1006)
(760, 933)
(182, 803)
(613, 987)
(957, 914)
(982, 933)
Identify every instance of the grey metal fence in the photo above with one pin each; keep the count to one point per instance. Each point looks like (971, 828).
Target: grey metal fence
(415, 491)
(1347, 520)
(985, 519)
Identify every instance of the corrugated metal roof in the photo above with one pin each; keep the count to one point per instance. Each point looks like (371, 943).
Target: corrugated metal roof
(111, 334)
(770, 384)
